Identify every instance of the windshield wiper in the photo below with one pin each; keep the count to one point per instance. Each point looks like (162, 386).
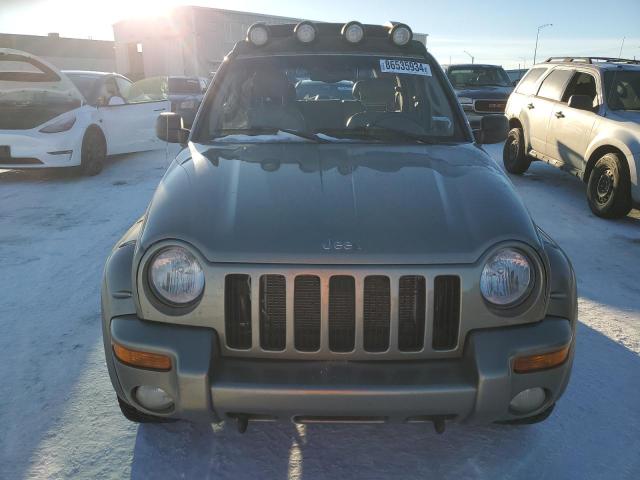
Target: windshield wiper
(269, 131)
(369, 132)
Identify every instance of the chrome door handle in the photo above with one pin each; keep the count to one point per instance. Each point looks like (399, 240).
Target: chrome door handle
(531, 106)
(559, 115)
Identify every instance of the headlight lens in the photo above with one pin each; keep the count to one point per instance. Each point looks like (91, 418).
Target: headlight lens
(176, 276)
(465, 100)
(507, 278)
(188, 104)
(60, 126)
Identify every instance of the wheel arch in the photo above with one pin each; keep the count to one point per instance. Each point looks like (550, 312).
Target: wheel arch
(598, 153)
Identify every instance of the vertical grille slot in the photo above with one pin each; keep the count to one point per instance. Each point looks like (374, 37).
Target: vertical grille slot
(342, 313)
(273, 312)
(376, 313)
(306, 313)
(446, 312)
(237, 311)
(411, 313)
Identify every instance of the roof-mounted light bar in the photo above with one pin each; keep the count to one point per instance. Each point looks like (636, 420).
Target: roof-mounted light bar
(305, 32)
(353, 32)
(400, 34)
(258, 34)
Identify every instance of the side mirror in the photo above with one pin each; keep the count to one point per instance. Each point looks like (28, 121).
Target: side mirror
(170, 128)
(581, 102)
(493, 129)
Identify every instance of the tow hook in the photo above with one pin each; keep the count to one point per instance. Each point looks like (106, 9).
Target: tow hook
(439, 425)
(243, 422)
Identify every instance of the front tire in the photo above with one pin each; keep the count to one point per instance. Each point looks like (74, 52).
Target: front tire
(514, 157)
(609, 187)
(94, 151)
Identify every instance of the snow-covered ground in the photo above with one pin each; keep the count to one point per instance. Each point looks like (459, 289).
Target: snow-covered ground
(58, 413)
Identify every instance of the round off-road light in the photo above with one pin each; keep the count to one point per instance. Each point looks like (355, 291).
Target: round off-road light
(153, 398)
(176, 277)
(528, 400)
(258, 34)
(401, 34)
(507, 278)
(353, 32)
(305, 32)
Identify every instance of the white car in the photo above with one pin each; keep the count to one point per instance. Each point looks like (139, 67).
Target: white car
(49, 119)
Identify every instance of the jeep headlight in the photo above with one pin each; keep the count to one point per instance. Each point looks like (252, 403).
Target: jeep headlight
(465, 100)
(176, 276)
(507, 278)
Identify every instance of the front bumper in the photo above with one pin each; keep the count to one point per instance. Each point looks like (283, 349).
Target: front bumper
(32, 149)
(206, 387)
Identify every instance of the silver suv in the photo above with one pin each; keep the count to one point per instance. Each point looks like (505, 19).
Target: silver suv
(581, 115)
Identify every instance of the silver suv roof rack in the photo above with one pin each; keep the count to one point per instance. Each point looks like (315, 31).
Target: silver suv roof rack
(591, 60)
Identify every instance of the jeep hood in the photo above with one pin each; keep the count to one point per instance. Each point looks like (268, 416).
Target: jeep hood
(294, 203)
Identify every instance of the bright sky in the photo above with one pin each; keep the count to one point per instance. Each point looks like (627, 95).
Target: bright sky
(494, 31)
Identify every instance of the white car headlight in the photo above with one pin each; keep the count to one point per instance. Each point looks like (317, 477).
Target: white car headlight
(507, 278)
(60, 126)
(175, 276)
(465, 100)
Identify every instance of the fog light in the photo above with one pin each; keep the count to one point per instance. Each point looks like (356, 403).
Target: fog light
(153, 398)
(528, 400)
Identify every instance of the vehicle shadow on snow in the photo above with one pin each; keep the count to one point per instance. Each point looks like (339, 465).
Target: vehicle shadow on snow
(596, 421)
(64, 174)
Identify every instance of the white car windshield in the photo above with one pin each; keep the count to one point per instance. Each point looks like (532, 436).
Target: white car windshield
(368, 98)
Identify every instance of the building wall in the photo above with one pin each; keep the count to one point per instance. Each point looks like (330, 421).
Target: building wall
(65, 53)
(190, 41)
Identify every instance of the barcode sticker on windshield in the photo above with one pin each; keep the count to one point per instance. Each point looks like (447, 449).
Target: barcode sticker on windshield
(405, 66)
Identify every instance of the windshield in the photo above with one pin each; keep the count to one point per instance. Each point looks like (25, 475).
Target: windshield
(367, 98)
(182, 86)
(623, 89)
(87, 84)
(478, 76)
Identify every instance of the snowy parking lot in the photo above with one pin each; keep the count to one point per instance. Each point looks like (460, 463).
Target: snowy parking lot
(59, 416)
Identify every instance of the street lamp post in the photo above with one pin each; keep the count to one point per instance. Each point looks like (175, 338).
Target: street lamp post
(537, 36)
(472, 57)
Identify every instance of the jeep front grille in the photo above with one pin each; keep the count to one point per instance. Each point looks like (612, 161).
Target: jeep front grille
(306, 313)
(340, 315)
(237, 311)
(272, 312)
(490, 106)
(446, 312)
(376, 313)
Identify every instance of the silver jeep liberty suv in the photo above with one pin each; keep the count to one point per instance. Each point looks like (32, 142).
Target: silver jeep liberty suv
(581, 114)
(332, 245)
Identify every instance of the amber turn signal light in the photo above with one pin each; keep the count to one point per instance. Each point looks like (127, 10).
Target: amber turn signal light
(534, 363)
(138, 359)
